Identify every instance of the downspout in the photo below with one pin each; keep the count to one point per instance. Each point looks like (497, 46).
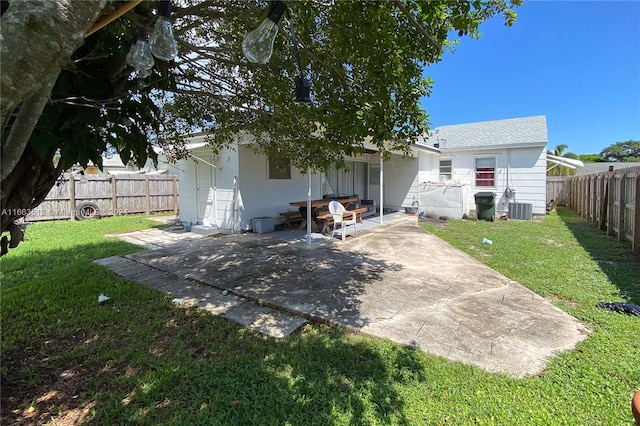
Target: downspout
(508, 167)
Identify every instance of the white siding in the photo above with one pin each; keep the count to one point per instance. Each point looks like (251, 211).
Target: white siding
(400, 182)
(529, 177)
(264, 197)
(187, 197)
(199, 180)
(521, 169)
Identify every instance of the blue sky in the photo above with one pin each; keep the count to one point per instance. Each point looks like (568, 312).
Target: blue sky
(577, 62)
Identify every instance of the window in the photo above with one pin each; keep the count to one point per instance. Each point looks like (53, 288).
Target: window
(352, 180)
(445, 169)
(279, 168)
(374, 175)
(485, 171)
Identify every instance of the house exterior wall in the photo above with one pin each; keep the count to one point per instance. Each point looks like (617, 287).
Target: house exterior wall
(268, 197)
(523, 170)
(237, 189)
(187, 197)
(400, 181)
(206, 191)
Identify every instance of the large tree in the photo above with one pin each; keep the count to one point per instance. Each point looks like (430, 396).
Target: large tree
(73, 98)
(622, 151)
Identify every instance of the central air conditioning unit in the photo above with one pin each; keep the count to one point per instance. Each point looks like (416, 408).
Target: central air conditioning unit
(520, 211)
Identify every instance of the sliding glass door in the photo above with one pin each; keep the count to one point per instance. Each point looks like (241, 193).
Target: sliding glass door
(354, 180)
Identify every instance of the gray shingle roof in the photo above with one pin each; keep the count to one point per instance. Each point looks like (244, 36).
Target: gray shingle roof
(491, 134)
(590, 168)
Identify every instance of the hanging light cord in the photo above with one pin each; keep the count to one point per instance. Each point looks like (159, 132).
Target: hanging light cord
(295, 41)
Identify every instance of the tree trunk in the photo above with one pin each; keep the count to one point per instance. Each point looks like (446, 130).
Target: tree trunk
(27, 185)
(23, 126)
(38, 38)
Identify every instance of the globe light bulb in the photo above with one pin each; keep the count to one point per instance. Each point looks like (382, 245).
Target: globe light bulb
(139, 55)
(163, 45)
(257, 45)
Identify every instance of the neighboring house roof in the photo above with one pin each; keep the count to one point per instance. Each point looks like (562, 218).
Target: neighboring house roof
(113, 163)
(508, 133)
(590, 168)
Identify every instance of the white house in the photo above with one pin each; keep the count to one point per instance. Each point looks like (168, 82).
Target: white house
(505, 157)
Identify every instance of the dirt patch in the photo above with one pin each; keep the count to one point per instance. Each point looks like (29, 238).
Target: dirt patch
(566, 300)
(436, 221)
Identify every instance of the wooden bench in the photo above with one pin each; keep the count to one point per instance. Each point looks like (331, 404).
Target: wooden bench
(291, 217)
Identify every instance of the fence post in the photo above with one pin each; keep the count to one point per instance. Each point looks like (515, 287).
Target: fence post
(592, 202)
(602, 179)
(610, 202)
(621, 207)
(114, 196)
(72, 197)
(147, 194)
(636, 219)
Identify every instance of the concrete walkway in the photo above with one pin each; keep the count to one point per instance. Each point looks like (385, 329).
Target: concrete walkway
(393, 281)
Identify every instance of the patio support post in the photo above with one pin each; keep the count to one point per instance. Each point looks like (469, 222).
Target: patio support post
(381, 190)
(309, 206)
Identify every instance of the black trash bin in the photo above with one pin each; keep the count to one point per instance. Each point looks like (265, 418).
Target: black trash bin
(486, 206)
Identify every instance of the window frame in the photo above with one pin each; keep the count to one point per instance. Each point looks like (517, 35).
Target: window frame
(487, 170)
(440, 174)
(273, 168)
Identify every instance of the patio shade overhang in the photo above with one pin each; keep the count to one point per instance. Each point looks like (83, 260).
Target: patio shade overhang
(565, 162)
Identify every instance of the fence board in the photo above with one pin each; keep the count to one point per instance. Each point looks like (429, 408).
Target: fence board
(557, 189)
(114, 195)
(610, 200)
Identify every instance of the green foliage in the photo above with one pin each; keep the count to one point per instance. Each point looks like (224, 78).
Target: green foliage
(364, 59)
(94, 109)
(558, 151)
(139, 359)
(622, 151)
(592, 158)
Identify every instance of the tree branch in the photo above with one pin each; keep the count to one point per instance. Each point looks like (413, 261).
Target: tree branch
(416, 24)
(42, 34)
(22, 128)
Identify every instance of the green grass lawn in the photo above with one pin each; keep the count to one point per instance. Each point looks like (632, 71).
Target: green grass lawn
(140, 359)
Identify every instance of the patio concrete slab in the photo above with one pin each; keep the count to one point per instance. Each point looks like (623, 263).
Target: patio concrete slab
(261, 319)
(393, 281)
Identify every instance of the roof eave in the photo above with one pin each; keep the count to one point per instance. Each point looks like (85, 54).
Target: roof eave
(494, 147)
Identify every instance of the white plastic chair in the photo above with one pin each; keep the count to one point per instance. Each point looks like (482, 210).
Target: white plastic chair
(342, 217)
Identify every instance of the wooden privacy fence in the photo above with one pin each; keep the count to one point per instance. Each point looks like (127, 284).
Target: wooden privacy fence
(610, 200)
(111, 194)
(557, 189)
